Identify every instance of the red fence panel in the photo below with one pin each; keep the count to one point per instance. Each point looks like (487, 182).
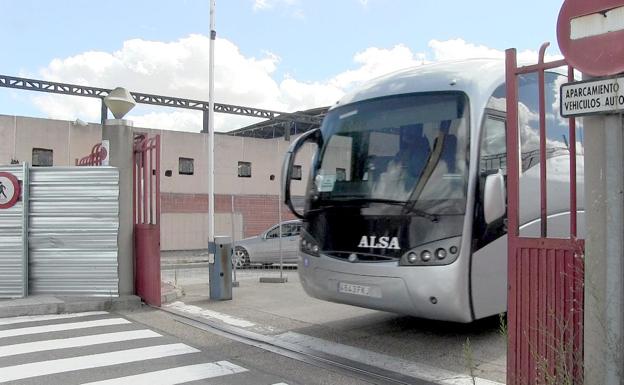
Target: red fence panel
(545, 275)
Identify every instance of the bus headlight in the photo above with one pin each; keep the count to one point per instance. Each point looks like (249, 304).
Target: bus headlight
(308, 246)
(437, 253)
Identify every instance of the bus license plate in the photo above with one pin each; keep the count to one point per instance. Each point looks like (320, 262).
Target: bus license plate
(350, 288)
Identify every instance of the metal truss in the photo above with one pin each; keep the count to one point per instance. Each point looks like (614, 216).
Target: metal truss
(158, 100)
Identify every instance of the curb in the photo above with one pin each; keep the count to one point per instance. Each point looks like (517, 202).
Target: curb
(45, 304)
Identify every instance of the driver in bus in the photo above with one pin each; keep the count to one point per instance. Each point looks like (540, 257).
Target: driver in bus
(406, 166)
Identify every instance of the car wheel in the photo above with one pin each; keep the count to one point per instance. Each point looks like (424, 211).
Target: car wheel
(241, 257)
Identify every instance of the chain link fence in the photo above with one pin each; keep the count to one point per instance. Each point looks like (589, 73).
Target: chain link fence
(248, 207)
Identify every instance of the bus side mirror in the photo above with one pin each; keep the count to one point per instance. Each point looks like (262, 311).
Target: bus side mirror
(287, 167)
(494, 197)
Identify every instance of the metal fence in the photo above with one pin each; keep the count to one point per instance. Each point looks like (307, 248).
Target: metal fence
(61, 238)
(249, 210)
(13, 247)
(74, 222)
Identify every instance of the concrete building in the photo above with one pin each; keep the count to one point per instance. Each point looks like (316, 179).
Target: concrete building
(247, 174)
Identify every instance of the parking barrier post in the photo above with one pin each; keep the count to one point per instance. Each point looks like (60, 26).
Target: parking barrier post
(220, 270)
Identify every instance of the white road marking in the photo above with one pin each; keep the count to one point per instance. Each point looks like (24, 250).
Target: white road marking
(43, 368)
(177, 375)
(61, 327)
(47, 317)
(198, 311)
(418, 370)
(74, 342)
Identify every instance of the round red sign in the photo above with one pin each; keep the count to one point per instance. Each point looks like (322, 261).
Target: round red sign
(9, 190)
(591, 35)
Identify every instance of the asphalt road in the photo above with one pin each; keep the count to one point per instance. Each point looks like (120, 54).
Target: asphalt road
(140, 347)
(409, 344)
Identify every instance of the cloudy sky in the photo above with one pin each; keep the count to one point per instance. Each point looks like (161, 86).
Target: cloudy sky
(284, 55)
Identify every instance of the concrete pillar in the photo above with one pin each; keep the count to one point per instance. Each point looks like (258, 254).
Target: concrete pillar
(120, 134)
(604, 248)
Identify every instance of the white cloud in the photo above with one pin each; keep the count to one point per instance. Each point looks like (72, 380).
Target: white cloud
(180, 68)
(459, 49)
(374, 62)
(291, 7)
(188, 120)
(262, 4)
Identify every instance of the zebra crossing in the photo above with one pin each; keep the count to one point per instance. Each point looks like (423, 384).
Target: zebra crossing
(99, 348)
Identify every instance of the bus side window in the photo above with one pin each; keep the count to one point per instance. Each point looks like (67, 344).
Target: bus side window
(493, 155)
(492, 158)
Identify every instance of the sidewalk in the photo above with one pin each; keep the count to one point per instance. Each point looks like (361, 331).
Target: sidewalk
(51, 304)
(431, 350)
(55, 304)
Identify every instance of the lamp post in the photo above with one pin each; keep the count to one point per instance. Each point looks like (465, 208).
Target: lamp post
(119, 102)
(120, 135)
(211, 137)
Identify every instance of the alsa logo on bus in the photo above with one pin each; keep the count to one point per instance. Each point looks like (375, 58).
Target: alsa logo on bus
(371, 242)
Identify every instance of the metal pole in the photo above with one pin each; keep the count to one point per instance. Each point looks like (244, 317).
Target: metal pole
(25, 225)
(233, 238)
(279, 213)
(211, 208)
(614, 304)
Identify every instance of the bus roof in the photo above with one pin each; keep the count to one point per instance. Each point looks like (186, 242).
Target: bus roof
(474, 77)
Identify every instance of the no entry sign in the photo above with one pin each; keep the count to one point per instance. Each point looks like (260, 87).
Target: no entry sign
(9, 190)
(591, 35)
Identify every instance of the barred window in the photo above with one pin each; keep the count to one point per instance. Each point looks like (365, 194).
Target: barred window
(244, 169)
(42, 157)
(185, 166)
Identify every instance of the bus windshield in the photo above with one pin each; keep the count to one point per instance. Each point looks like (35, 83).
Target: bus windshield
(409, 150)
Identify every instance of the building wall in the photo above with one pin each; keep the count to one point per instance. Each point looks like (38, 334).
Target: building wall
(184, 198)
(67, 141)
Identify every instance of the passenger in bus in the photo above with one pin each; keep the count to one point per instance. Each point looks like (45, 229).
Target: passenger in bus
(449, 147)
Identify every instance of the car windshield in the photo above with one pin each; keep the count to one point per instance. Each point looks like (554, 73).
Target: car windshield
(406, 149)
(288, 229)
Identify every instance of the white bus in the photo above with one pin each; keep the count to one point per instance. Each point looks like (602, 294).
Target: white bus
(405, 204)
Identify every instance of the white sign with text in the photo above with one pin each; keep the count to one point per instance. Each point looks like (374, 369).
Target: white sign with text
(592, 97)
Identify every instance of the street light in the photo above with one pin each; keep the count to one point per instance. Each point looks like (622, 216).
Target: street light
(119, 102)
(211, 137)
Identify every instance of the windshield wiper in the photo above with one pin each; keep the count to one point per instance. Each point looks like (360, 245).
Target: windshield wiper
(351, 199)
(421, 213)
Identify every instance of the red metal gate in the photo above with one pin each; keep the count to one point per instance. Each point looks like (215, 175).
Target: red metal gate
(545, 275)
(146, 202)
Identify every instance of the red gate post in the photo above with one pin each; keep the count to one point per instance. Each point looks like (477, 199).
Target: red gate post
(545, 275)
(146, 202)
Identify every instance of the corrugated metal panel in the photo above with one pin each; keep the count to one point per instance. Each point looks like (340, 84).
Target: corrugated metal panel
(12, 258)
(74, 221)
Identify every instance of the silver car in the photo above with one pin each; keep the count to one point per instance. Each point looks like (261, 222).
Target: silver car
(265, 248)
